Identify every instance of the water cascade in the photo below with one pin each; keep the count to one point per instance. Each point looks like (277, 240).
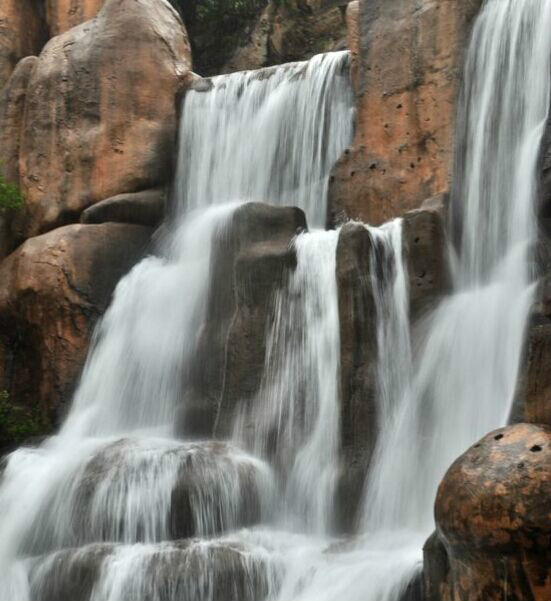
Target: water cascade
(117, 507)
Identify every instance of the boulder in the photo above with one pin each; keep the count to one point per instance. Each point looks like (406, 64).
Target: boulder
(186, 570)
(62, 15)
(23, 32)
(54, 288)
(407, 63)
(142, 208)
(12, 106)
(100, 117)
(249, 263)
(494, 518)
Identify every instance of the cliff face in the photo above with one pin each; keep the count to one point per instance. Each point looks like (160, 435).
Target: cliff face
(408, 61)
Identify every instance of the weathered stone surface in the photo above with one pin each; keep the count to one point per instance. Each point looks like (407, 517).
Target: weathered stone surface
(141, 208)
(249, 263)
(54, 288)
(22, 33)
(358, 364)
(409, 59)
(494, 518)
(61, 15)
(90, 133)
(424, 241)
(12, 106)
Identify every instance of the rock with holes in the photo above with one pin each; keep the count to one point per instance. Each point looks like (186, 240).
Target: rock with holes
(100, 114)
(407, 63)
(54, 288)
(493, 517)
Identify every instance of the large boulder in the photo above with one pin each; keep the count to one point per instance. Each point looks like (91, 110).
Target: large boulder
(408, 57)
(22, 33)
(61, 15)
(54, 288)
(249, 263)
(493, 517)
(12, 107)
(424, 258)
(100, 116)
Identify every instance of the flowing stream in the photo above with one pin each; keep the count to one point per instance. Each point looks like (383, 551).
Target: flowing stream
(117, 507)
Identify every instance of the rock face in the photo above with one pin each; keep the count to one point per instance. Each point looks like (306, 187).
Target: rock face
(407, 62)
(141, 208)
(22, 33)
(423, 250)
(12, 106)
(88, 132)
(256, 251)
(493, 517)
(54, 288)
(61, 15)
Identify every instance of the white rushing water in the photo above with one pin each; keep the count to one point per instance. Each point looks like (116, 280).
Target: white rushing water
(103, 497)
(116, 508)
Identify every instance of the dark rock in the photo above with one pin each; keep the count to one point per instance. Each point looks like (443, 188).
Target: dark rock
(358, 363)
(141, 208)
(249, 263)
(54, 288)
(436, 568)
(494, 517)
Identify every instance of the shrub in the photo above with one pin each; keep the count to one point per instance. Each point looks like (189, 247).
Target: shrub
(10, 196)
(18, 424)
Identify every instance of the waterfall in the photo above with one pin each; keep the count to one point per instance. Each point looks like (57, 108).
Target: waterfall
(108, 508)
(263, 128)
(296, 411)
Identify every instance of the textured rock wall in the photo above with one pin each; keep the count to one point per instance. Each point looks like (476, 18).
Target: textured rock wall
(408, 60)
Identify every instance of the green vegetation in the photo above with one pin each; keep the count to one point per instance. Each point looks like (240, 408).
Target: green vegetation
(10, 196)
(18, 424)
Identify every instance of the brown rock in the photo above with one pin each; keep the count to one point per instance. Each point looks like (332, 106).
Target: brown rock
(141, 208)
(54, 288)
(22, 33)
(100, 116)
(494, 517)
(62, 15)
(409, 59)
(12, 105)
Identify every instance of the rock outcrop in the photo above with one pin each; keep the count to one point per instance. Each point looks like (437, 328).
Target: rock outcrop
(407, 62)
(12, 107)
(62, 15)
(23, 32)
(249, 263)
(90, 133)
(54, 288)
(493, 521)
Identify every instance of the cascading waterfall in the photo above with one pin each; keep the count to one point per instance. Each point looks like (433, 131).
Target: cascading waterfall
(105, 496)
(110, 506)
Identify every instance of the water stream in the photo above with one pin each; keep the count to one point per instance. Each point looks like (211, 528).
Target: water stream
(116, 507)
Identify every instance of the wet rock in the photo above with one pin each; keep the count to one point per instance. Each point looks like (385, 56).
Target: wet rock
(23, 32)
(407, 61)
(62, 15)
(12, 106)
(358, 358)
(100, 116)
(494, 518)
(54, 288)
(141, 208)
(249, 264)
(183, 570)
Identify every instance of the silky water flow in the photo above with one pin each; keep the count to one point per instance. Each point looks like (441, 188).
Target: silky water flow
(103, 496)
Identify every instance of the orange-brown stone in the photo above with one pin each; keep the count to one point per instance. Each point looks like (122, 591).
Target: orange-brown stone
(100, 116)
(493, 514)
(409, 63)
(54, 288)
(61, 15)
(22, 33)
